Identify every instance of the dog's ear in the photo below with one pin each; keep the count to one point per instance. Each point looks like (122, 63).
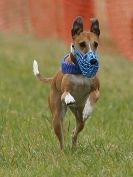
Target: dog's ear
(95, 26)
(77, 27)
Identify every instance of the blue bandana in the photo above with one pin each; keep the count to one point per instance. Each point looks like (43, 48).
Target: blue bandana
(86, 64)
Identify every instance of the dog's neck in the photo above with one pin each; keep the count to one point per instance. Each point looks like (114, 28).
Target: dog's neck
(72, 58)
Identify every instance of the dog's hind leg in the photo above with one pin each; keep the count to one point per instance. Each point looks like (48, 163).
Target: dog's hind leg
(58, 112)
(79, 124)
(79, 127)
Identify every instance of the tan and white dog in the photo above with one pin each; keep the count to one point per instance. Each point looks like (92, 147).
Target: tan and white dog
(77, 92)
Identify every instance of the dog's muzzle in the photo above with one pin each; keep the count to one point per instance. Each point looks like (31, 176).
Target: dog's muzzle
(85, 64)
(88, 63)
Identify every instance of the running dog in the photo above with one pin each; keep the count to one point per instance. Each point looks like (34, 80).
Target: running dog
(71, 88)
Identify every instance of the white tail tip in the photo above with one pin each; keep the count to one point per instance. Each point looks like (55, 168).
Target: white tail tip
(35, 68)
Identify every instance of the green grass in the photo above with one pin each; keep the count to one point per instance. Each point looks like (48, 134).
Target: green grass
(28, 146)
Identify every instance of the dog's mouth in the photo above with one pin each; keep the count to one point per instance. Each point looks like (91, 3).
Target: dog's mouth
(88, 62)
(90, 58)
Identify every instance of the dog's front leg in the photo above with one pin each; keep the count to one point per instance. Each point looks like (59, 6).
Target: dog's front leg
(82, 113)
(58, 112)
(90, 102)
(67, 98)
(79, 127)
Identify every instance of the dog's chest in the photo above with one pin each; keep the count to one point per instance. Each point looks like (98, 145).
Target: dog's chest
(81, 87)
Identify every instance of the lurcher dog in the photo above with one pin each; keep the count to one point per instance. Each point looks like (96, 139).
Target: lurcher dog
(75, 91)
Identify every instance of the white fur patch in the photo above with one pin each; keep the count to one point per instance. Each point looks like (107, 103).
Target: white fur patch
(69, 99)
(87, 110)
(35, 68)
(90, 50)
(71, 49)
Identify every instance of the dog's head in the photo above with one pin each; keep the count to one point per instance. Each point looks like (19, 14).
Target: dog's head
(85, 40)
(84, 46)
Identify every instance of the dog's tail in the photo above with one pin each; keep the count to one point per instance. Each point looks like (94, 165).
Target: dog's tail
(38, 75)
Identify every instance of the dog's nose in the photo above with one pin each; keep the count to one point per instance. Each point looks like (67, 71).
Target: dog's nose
(93, 61)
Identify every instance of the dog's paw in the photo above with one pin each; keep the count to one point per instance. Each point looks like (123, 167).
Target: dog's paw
(87, 110)
(69, 99)
(35, 68)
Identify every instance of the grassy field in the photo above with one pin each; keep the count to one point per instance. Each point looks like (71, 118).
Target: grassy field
(28, 146)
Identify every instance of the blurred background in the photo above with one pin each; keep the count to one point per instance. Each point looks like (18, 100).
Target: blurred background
(41, 30)
(53, 19)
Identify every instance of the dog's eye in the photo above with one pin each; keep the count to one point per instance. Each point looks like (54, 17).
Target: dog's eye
(82, 44)
(95, 44)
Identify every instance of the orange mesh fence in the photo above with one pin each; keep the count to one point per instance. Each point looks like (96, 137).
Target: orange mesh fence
(14, 16)
(43, 18)
(71, 9)
(120, 15)
(46, 18)
(53, 18)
